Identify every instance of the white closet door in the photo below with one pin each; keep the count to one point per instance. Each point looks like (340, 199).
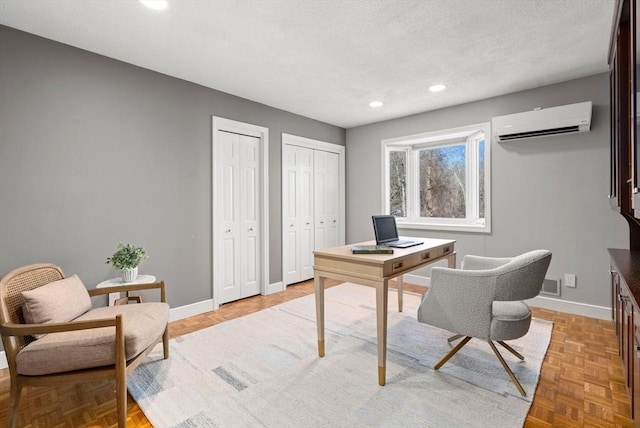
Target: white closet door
(305, 203)
(326, 199)
(298, 214)
(250, 266)
(238, 169)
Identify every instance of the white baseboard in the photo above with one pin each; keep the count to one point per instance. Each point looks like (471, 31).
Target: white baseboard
(190, 310)
(576, 308)
(275, 288)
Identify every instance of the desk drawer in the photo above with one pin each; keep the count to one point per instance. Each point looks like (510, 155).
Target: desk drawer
(416, 259)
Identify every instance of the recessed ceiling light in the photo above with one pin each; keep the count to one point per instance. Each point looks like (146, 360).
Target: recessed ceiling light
(155, 4)
(437, 88)
(376, 104)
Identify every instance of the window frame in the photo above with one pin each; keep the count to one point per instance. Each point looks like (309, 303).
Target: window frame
(411, 145)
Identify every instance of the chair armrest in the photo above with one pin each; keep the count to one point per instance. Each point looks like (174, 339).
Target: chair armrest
(131, 287)
(11, 329)
(470, 262)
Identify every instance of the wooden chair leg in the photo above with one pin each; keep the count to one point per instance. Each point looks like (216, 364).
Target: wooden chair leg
(121, 374)
(452, 352)
(14, 399)
(121, 400)
(165, 342)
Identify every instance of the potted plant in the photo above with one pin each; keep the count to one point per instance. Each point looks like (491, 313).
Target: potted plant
(126, 259)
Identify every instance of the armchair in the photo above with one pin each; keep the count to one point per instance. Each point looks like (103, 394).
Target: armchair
(68, 341)
(483, 300)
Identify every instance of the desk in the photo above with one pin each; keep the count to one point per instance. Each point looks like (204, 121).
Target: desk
(113, 299)
(375, 270)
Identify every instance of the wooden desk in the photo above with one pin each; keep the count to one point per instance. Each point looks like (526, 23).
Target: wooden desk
(375, 270)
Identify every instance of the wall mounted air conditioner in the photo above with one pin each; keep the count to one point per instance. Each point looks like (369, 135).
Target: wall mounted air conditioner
(566, 119)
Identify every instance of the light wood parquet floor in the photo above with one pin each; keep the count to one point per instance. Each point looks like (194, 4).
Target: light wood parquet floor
(581, 382)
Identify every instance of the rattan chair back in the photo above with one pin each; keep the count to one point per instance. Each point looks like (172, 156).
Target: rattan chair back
(11, 287)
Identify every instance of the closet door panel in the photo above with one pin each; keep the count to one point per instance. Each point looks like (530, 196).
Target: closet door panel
(238, 163)
(229, 245)
(250, 215)
(326, 196)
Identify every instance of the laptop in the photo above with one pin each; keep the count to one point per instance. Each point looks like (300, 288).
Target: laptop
(384, 227)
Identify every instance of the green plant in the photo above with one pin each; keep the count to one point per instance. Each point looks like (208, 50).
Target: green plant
(127, 257)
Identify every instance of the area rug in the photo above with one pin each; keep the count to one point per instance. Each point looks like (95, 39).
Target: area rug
(262, 370)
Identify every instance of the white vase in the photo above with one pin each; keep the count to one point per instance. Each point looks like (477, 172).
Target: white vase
(129, 275)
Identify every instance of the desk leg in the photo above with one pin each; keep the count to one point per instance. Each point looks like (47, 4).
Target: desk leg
(400, 292)
(452, 261)
(319, 288)
(382, 300)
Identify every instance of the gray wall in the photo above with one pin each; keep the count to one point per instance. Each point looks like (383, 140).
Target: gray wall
(94, 151)
(546, 193)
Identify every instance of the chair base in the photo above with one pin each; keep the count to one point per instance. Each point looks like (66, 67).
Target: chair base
(495, 351)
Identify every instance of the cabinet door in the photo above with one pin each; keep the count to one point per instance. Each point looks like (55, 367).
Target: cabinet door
(616, 304)
(635, 392)
(635, 104)
(629, 341)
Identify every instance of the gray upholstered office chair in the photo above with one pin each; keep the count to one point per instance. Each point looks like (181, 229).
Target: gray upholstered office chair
(483, 300)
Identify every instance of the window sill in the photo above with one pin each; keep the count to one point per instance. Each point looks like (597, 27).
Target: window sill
(484, 228)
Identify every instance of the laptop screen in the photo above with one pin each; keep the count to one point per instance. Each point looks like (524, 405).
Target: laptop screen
(384, 227)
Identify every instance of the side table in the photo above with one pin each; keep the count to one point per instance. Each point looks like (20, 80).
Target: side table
(114, 298)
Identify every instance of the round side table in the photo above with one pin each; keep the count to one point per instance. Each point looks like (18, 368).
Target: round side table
(114, 282)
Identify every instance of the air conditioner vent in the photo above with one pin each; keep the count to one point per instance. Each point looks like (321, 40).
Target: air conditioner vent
(540, 133)
(567, 119)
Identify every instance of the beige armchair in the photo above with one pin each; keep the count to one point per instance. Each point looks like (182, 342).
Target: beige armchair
(483, 300)
(68, 341)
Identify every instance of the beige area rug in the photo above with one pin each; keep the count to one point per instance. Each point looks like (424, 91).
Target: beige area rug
(262, 370)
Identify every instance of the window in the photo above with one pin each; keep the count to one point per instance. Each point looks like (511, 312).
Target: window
(439, 180)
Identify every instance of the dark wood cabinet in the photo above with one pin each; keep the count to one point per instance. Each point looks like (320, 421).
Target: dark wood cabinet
(624, 184)
(624, 189)
(625, 290)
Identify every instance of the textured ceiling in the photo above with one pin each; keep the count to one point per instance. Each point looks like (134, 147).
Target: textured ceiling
(327, 59)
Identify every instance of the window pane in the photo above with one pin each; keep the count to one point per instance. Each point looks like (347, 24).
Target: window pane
(481, 178)
(397, 183)
(442, 182)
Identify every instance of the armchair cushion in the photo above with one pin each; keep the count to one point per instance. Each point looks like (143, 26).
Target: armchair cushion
(58, 301)
(81, 349)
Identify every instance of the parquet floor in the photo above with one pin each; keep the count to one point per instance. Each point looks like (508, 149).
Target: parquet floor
(581, 382)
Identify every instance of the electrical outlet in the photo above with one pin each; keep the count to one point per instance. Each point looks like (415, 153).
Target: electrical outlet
(570, 280)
